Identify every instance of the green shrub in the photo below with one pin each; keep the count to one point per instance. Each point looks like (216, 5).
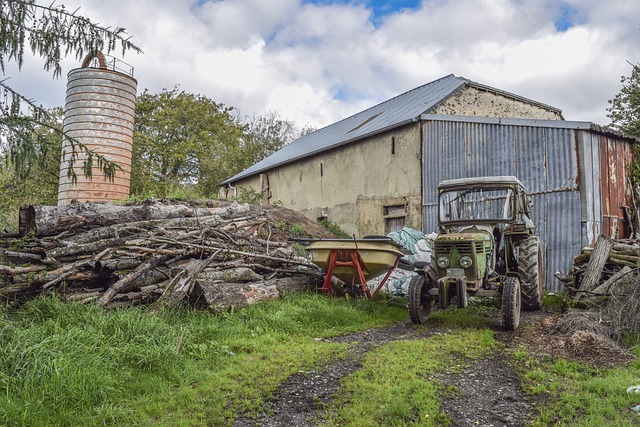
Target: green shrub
(334, 228)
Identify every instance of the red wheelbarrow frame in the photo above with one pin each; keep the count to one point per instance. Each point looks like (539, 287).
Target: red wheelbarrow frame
(351, 258)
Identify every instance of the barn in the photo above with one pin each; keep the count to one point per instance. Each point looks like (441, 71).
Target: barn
(377, 171)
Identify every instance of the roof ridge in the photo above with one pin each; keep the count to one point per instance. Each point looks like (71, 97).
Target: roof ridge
(386, 102)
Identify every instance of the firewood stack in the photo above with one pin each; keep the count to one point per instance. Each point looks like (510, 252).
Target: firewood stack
(605, 270)
(214, 254)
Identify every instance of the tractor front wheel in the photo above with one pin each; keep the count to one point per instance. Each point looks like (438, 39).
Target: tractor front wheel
(420, 302)
(511, 303)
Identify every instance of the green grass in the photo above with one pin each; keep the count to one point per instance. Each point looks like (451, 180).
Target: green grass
(398, 384)
(572, 394)
(69, 364)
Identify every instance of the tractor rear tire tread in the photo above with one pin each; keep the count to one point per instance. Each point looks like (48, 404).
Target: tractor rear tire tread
(531, 273)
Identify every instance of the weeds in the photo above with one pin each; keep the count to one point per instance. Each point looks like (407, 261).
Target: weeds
(249, 195)
(334, 228)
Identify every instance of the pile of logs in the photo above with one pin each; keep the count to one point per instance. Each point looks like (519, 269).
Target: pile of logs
(601, 271)
(212, 254)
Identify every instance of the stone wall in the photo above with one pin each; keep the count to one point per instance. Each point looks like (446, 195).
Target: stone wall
(472, 101)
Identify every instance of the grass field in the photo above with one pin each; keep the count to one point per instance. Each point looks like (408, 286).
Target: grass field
(69, 364)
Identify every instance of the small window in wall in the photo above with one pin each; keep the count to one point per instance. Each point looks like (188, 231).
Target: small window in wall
(394, 217)
(393, 145)
(321, 170)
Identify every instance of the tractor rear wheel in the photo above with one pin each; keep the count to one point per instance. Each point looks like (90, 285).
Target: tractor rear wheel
(420, 302)
(531, 273)
(511, 303)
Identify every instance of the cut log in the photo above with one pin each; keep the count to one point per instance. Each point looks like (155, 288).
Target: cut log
(627, 249)
(88, 248)
(143, 251)
(298, 261)
(220, 296)
(231, 275)
(289, 285)
(604, 288)
(596, 263)
(22, 257)
(14, 271)
(617, 258)
(50, 220)
(130, 278)
(180, 286)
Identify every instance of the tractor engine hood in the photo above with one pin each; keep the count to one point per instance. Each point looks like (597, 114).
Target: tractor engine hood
(470, 235)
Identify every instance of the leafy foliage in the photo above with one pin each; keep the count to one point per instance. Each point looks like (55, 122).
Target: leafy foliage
(181, 139)
(30, 184)
(188, 141)
(625, 115)
(264, 135)
(249, 195)
(625, 106)
(50, 32)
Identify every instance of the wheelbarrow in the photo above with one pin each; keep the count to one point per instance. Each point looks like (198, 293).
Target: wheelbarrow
(354, 261)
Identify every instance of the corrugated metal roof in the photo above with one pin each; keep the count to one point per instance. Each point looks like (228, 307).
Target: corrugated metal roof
(398, 111)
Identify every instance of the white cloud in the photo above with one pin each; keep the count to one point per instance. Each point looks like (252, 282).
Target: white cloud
(317, 64)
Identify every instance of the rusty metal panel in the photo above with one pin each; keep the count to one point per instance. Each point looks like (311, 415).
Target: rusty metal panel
(605, 186)
(615, 155)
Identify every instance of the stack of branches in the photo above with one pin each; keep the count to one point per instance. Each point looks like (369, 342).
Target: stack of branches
(215, 255)
(606, 278)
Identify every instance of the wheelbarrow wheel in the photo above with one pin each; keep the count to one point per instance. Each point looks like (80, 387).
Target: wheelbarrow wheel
(420, 302)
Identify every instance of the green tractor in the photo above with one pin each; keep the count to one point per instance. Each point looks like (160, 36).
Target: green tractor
(486, 246)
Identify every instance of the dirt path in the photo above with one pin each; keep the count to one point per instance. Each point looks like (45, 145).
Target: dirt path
(301, 399)
(489, 390)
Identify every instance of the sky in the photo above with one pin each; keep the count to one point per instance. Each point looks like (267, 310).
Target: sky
(315, 62)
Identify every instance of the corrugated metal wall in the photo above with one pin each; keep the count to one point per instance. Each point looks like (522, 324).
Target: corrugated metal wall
(558, 162)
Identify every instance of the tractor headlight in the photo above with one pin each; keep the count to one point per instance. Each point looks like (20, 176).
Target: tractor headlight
(465, 262)
(443, 262)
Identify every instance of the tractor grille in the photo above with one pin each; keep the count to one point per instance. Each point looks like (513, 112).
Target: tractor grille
(464, 248)
(445, 248)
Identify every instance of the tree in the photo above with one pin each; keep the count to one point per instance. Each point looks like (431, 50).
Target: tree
(50, 32)
(625, 106)
(264, 135)
(37, 185)
(187, 142)
(181, 140)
